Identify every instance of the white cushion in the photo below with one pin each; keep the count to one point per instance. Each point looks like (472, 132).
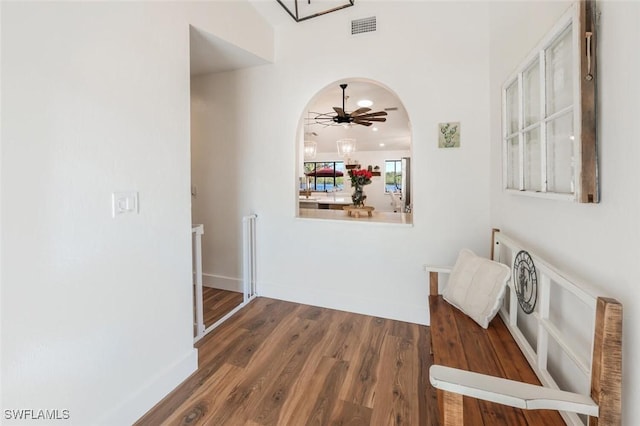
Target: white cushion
(476, 286)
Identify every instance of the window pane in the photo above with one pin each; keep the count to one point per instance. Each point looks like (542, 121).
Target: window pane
(559, 60)
(531, 80)
(532, 179)
(560, 161)
(340, 179)
(320, 184)
(513, 163)
(512, 108)
(393, 175)
(309, 167)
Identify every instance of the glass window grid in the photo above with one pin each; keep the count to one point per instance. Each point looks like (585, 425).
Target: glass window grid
(324, 183)
(524, 126)
(395, 168)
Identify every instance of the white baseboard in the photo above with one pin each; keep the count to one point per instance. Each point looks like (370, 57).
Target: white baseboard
(143, 399)
(221, 282)
(418, 313)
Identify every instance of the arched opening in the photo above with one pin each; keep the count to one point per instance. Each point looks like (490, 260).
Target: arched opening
(343, 132)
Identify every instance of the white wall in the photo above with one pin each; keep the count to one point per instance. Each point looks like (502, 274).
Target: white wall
(433, 56)
(597, 243)
(217, 174)
(96, 312)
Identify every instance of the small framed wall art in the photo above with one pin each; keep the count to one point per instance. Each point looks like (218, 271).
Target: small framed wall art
(449, 135)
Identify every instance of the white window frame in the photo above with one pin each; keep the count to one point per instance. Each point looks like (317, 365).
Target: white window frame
(384, 173)
(569, 18)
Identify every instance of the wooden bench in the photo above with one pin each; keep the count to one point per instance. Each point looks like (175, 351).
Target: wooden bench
(494, 376)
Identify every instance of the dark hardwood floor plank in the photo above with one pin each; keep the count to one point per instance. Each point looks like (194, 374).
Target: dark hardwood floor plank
(206, 398)
(398, 383)
(265, 367)
(193, 383)
(298, 410)
(362, 377)
(346, 339)
(217, 303)
(267, 411)
(348, 414)
(427, 397)
(327, 397)
(281, 363)
(218, 347)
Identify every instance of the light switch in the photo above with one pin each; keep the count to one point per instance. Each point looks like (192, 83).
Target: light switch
(124, 202)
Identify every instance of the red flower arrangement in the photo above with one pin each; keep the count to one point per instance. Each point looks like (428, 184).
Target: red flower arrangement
(360, 177)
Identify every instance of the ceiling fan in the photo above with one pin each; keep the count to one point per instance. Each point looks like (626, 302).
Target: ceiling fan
(360, 116)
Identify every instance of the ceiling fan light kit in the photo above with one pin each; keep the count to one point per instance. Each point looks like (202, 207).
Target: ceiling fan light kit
(310, 149)
(346, 146)
(303, 10)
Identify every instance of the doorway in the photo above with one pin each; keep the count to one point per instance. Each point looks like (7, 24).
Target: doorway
(223, 232)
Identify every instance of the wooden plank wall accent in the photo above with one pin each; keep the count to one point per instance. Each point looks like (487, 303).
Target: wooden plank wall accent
(433, 283)
(453, 414)
(589, 190)
(606, 370)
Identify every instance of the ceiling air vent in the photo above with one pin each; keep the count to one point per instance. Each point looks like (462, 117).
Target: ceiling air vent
(364, 25)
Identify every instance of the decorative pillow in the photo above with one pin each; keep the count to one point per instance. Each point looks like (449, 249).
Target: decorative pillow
(476, 286)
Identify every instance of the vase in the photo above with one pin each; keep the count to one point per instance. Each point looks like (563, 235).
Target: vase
(358, 196)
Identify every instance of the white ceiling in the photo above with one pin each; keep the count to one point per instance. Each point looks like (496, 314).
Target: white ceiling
(210, 54)
(273, 12)
(395, 133)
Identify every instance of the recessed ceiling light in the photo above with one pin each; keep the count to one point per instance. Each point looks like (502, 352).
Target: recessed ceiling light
(375, 129)
(365, 103)
(381, 145)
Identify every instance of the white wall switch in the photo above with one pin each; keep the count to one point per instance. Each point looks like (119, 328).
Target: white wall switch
(124, 202)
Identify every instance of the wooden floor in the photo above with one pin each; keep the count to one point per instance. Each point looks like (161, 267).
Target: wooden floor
(217, 303)
(281, 363)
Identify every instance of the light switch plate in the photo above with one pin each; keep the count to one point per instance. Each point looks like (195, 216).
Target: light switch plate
(124, 202)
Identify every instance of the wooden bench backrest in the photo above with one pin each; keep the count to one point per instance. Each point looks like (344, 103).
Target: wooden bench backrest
(602, 368)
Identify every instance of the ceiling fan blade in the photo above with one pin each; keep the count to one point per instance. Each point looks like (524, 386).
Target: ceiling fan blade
(381, 119)
(323, 119)
(340, 111)
(364, 123)
(373, 114)
(360, 111)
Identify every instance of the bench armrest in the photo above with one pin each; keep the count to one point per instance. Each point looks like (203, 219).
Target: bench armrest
(509, 392)
(440, 269)
(433, 277)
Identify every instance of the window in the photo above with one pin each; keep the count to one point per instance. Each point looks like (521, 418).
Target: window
(324, 176)
(393, 175)
(549, 114)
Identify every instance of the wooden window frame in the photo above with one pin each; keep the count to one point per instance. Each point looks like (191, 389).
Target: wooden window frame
(581, 18)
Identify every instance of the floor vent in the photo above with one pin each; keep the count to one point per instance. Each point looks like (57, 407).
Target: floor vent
(364, 25)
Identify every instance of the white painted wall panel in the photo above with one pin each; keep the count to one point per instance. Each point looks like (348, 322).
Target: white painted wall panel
(97, 312)
(433, 55)
(596, 243)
